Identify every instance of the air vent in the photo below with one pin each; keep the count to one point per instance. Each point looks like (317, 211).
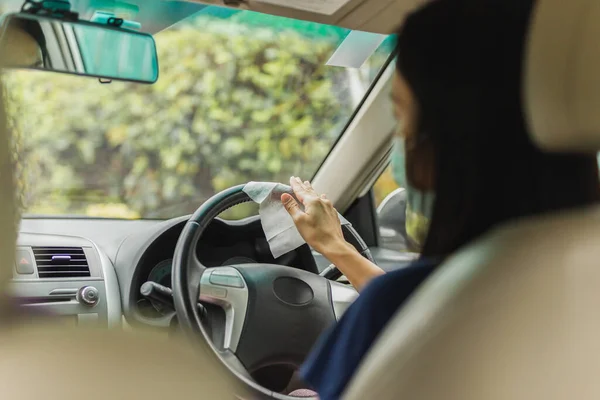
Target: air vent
(61, 262)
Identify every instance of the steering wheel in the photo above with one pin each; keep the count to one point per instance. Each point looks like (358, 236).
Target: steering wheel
(273, 313)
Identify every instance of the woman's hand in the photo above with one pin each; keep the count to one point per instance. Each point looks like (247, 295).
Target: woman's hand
(320, 226)
(319, 223)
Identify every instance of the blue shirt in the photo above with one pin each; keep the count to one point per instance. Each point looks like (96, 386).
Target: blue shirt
(339, 351)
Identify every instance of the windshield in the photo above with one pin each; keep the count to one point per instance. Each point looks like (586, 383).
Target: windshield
(240, 96)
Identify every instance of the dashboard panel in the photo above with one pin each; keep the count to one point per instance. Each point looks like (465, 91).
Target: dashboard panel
(65, 277)
(222, 243)
(132, 252)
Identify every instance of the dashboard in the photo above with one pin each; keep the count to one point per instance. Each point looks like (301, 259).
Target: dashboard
(67, 278)
(124, 254)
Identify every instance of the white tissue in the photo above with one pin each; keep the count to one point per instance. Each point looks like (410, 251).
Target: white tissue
(278, 225)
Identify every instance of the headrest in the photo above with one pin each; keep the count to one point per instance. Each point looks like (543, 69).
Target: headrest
(562, 75)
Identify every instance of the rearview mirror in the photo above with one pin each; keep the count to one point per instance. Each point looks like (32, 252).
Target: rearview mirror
(77, 47)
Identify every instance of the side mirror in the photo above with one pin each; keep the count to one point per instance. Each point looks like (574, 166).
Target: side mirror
(391, 215)
(108, 52)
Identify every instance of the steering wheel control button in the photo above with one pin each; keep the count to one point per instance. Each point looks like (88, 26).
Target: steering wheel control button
(226, 278)
(221, 280)
(24, 262)
(292, 291)
(88, 296)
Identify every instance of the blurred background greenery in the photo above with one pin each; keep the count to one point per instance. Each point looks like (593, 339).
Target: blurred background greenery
(240, 97)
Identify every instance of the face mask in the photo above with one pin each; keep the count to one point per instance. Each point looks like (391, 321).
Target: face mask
(419, 205)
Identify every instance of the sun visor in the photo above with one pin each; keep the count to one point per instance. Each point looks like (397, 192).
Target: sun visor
(325, 7)
(378, 16)
(562, 75)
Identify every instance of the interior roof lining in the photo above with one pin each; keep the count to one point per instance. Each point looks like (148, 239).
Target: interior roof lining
(366, 15)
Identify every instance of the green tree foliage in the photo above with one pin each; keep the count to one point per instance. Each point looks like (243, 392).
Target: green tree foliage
(233, 103)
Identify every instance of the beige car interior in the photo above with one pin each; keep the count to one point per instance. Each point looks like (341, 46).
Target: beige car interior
(515, 315)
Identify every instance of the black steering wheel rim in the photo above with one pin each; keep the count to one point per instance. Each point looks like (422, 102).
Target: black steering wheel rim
(188, 275)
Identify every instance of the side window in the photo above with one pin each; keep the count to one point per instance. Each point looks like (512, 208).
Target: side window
(390, 200)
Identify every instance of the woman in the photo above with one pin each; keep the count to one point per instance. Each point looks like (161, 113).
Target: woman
(457, 93)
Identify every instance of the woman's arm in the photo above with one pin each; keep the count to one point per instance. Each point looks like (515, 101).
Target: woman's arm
(320, 227)
(352, 264)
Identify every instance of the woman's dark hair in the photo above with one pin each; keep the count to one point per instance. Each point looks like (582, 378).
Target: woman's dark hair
(463, 61)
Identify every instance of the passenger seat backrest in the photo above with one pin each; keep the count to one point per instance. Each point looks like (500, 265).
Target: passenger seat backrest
(53, 363)
(516, 314)
(513, 316)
